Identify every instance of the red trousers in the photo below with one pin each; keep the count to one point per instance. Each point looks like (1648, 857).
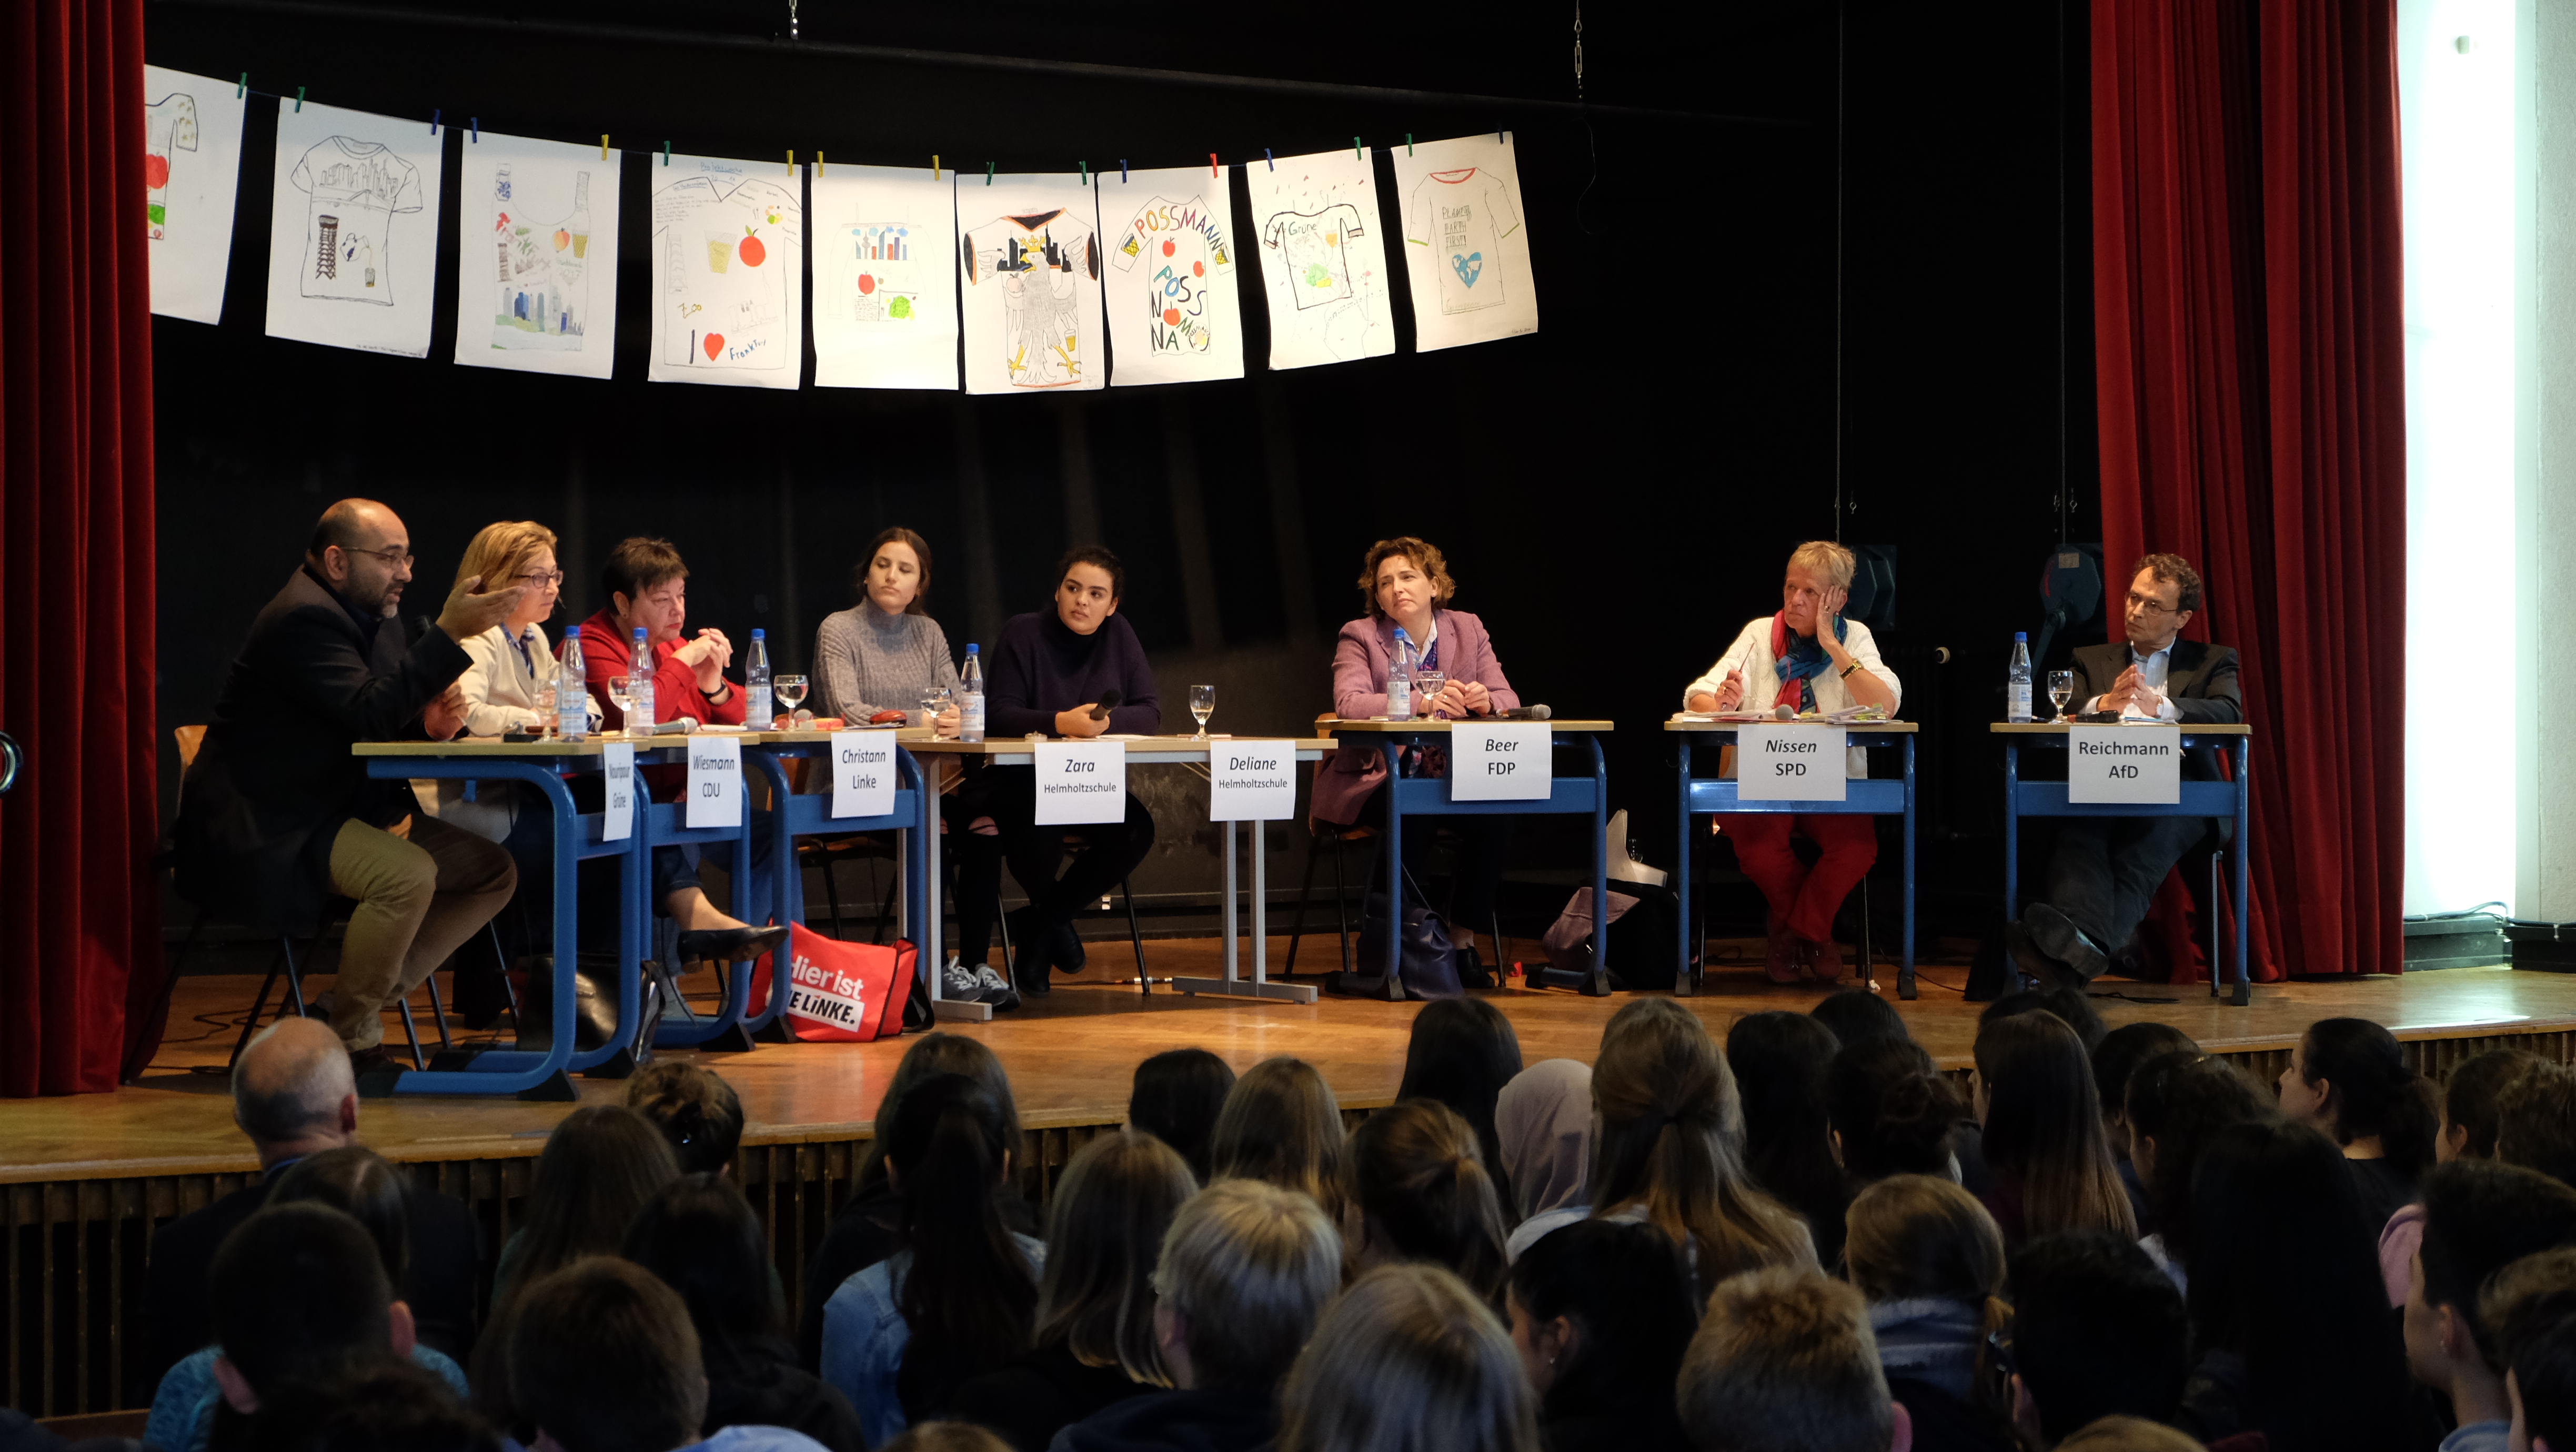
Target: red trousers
(1804, 896)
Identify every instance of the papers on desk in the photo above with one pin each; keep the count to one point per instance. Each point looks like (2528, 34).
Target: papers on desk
(1849, 716)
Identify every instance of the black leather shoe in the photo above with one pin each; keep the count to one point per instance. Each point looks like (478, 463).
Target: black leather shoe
(729, 945)
(1031, 951)
(376, 1070)
(1471, 970)
(1069, 954)
(481, 995)
(2055, 934)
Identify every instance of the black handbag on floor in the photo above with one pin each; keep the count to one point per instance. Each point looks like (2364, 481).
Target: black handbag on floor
(1426, 961)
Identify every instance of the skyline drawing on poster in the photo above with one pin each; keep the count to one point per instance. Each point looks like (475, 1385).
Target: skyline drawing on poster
(536, 264)
(1173, 313)
(728, 262)
(885, 279)
(1032, 299)
(1323, 258)
(192, 130)
(1466, 242)
(353, 240)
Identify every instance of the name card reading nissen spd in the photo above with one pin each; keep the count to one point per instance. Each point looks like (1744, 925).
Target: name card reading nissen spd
(617, 817)
(1790, 764)
(1499, 761)
(1252, 781)
(2135, 764)
(1081, 781)
(862, 773)
(715, 781)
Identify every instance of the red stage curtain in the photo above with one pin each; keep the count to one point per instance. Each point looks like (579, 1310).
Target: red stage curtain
(2249, 367)
(79, 922)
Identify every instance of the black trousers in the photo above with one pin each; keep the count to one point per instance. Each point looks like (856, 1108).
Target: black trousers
(2103, 871)
(1037, 853)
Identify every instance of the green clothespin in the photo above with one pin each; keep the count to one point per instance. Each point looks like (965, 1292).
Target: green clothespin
(243, 89)
(299, 100)
(666, 153)
(1358, 150)
(1086, 171)
(988, 173)
(1408, 143)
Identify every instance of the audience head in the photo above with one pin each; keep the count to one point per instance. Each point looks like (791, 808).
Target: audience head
(645, 584)
(362, 550)
(2479, 1217)
(894, 574)
(2536, 1122)
(1405, 578)
(1891, 1111)
(1784, 1362)
(1177, 1096)
(1780, 1062)
(382, 1406)
(2072, 1007)
(1418, 1191)
(1281, 1124)
(1462, 1052)
(603, 1358)
(357, 1182)
(1089, 584)
(2177, 1103)
(1922, 1238)
(2473, 1097)
(696, 1111)
(2348, 1077)
(970, 1293)
(516, 554)
(1600, 1312)
(599, 1167)
(1543, 1119)
(1857, 1013)
(2128, 1434)
(932, 1054)
(1816, 569)
(1112, 1207)
(299, 1292)
(706, 1243)
(1408, 1358)
(2529, 1307)
(2098, 1331)
(2044, 1125)
(293, 1092)
(2116, 1057)
(1245, 1272)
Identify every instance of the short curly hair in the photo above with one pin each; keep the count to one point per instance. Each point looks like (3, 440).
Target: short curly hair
(2176, 569)
(1426, 557)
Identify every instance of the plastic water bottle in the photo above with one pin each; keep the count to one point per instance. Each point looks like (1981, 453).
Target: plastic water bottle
(1399, 679)
(639, 688)
(758, 712)
(572, 698)
(970, 697)
(2017, 680)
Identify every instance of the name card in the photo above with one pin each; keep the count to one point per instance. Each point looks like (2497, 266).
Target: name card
(1791, 764)
(862, 773)
(1499, 761)
(1252, 781)
(617, 819)
(715, 781)
(2140, 765)
(1081, 782)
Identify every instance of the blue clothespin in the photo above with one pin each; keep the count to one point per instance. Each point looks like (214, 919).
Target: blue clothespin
(1265, 156)
(1122, 171)
(474, 124)
(299, 100)
(1498, 137)
(243, 87)
(434, 114)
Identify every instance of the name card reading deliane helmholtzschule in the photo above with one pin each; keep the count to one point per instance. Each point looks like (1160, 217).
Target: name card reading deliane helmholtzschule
(715, 781)
(863, 773)
(1499, 761)
(1252, 781)
(1791, 764)
(1081, 782)
(617, 818)
(2141, 765)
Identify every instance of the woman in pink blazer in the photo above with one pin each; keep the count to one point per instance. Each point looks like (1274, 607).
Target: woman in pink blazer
(1406, 583)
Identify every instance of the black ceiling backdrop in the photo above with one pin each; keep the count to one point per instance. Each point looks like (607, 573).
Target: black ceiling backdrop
(1615, 493)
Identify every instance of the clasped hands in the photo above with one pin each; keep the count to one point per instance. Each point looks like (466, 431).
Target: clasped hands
(2131, 692)
(1460, 699)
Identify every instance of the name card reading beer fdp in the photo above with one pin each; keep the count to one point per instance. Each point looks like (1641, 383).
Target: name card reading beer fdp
(1080, 782)
(1499, 761)
(862, 773)
(1790, 764)
(715, 781)
(2141, 765)
(617, 818)
(1252, 781)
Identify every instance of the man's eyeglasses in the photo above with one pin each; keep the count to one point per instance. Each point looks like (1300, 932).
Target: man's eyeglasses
(2150, 608)
(539, 579)
(393, 558)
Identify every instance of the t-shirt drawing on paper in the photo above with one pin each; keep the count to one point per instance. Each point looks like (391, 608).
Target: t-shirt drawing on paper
(1038, 261)
(356, 189)
(1182, 248)
(169, 127)
(1461, 218)
(1312, 249)
(542, 267)
(1323, 262)
(726, 274)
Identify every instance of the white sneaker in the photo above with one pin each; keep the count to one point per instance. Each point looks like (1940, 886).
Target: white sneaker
(997, 989)
(959, 981)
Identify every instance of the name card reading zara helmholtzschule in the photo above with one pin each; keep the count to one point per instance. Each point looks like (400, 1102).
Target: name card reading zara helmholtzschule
(863, 773)
(1081, 782)
(1499, 761)
(1252, 781)
(2139, 765)
(1791, 764)
(715, 781)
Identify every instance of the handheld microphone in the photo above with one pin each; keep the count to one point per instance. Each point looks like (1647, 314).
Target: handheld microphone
(681, 726)
(1527, 713)
(1109, 701)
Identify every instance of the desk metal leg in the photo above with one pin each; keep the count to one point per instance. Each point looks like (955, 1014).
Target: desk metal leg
(946, 1009)
(1687, 968)
(1232, 984)
(2244, 906)
(1905, 950)
(1596, 984)
(2012, 831)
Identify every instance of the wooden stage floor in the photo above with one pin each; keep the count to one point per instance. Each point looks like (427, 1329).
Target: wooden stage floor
(1070, 1056)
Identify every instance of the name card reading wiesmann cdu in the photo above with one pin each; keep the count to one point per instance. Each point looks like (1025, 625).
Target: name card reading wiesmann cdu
(2137, 765)
(1081, 782)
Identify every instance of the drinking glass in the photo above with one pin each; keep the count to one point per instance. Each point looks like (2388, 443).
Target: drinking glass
(1202, 706)
(790, 691)
(2061, 689)
(619, 692)
(1429, 683)
(932, 703)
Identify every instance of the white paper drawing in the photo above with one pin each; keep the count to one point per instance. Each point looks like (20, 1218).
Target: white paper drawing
(728, 272)
(353, 230)
(1466, 242)
(192, 130)
(1323, 258)
(1030, 248)
(885, 278)
(1174, 316)
(536, 256)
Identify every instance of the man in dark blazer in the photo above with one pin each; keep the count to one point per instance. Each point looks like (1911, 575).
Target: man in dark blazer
(2104, 870)
(293, 1096)
(276, 815)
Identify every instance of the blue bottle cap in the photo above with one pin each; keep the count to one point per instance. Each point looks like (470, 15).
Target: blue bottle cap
(2021, 637)
(970, 648)
(639, 635)
(1400, 635)
(759, 634)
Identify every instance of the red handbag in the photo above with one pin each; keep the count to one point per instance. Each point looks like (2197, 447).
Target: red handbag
(838, 993)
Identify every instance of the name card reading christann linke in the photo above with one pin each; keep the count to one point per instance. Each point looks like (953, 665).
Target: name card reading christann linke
(1499, 761)
(1080, 782)
(1791, 764)
(863, 773)
(2139, 765)
(617, 817)
(1252, 781)
(715, 781)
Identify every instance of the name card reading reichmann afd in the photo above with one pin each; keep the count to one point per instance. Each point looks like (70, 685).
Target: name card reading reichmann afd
(715, 781)
(617, 818)
(1252, 781)
(863, 773)
(2141, 765)
(1081, 782)
(1791, 764)
(1499, 761)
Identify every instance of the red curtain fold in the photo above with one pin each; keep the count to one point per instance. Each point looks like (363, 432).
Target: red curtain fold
(79, 921)
(2249, 364)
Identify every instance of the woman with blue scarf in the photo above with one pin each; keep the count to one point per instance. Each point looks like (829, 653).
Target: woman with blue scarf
(1788, 660)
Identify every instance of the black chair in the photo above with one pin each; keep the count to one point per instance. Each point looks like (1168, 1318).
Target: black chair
(1075, 842)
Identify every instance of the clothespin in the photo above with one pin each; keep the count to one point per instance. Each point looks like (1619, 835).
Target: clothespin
(666, 153)
(1498, 137)
(474, 125)
(1358, 150)
(934, 166)
(603, 146)
(243, 87)
(299, 100)
(988, 173)
(1085, 168)
(1408, 143)
(1212, 163)
(791, 162)
(1265, 156)
(1122, 171)
(818, 164)
(434, 114)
